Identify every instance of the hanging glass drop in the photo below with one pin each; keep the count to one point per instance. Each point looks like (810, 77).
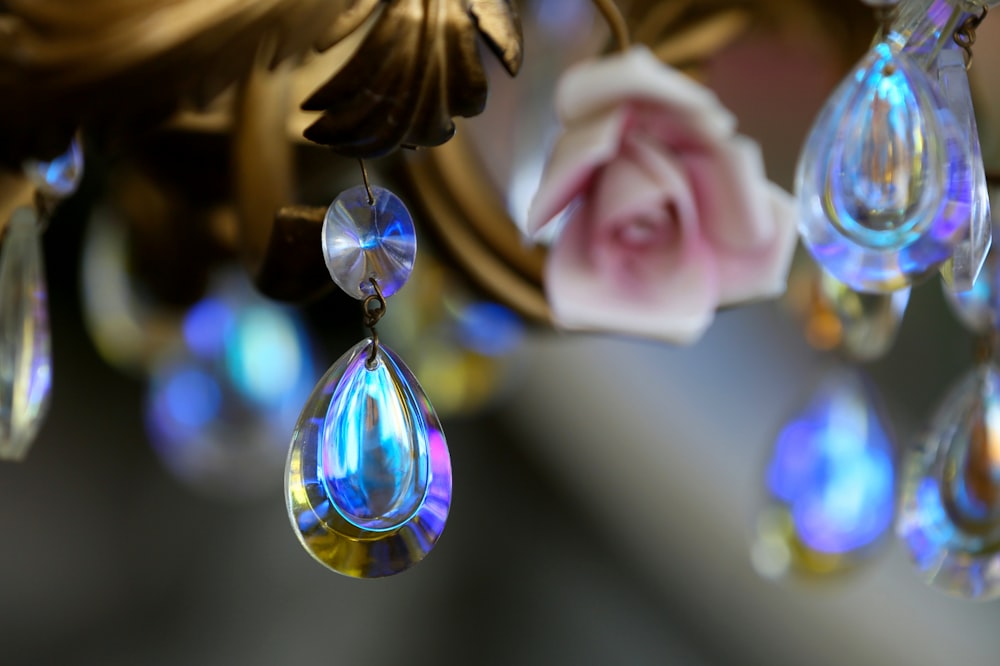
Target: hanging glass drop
(368, 481)
(364, 240)
(60, 177)
(831, 481)
(951, 498)
(25, 352)
(884, 183)
(961, 270)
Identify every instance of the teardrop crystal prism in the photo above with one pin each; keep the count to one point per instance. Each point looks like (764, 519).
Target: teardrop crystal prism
(59, 177)
(831, 479)
(951, 498)
(364, 240)
(884, 183)
(368, 481)
(25, 347)
(960, 272)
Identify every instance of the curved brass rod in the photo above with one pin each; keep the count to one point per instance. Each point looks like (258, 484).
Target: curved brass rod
(616, 22)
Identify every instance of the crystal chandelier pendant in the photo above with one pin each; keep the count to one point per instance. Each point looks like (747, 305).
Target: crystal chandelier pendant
(961, 270)
(368, 482)
(885, 180)
(951, 499)
(831, 480)
(25, 347)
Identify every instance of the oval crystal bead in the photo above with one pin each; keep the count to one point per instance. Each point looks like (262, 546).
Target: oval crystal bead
(364, 240)
(951, 500)
(368, 483)
(885, 182)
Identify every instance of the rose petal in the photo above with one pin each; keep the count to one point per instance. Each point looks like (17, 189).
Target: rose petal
(762, 273)
(735, 211)
(613, 80)
(675, 304)
(641, 181)
(574, 159)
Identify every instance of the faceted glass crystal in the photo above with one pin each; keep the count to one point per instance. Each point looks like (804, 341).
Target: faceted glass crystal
(961, 270)
(25, 353)
(951, 500)
(368, 483)
(363, 240)
(884, 182)
(61, 176)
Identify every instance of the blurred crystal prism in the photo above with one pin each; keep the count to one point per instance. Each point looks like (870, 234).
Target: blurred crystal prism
(869, 322)
(831, 481)
(222, 400)
(950, 517)
(960, 272)
(25, 347)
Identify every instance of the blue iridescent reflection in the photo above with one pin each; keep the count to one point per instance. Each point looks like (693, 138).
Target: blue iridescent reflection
(489, 329)
(60, 177)
(374, 449)
(833, 466)
(220, 406)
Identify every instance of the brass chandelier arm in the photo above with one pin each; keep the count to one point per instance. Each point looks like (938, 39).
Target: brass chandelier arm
(128, 62)
(470, 221)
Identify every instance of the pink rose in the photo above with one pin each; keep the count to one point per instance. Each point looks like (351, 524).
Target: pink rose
(674, 215)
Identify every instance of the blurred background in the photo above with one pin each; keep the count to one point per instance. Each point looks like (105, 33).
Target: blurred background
(607, 491)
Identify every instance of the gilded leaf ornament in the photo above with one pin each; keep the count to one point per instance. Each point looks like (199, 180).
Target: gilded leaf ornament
(415, 70)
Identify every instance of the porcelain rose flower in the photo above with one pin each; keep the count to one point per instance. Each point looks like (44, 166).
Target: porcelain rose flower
(670, 212)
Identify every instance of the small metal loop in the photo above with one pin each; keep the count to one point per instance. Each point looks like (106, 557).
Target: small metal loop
(374, 306)
(368, 186)
(374, 314)
(372, 361)
(965, 34)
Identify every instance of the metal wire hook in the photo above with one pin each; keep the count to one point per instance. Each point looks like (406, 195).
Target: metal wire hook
(374, 307)
(965, 34)
(368, 187)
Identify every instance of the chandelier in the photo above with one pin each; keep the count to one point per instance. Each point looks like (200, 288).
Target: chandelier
(559, 165)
